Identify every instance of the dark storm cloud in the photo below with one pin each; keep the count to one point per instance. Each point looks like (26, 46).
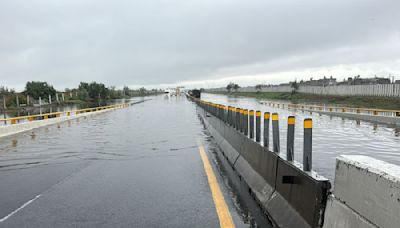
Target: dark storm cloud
(165, 42)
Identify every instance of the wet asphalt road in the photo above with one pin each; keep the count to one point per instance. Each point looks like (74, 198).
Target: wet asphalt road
(133, 167)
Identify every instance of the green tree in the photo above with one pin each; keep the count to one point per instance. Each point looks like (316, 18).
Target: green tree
(6, 91)
(39, 89)
(92, 91)
(236, 87)
(229, 87)
(233, 86)
(295, 86)
(83, 95)
(126, 91)
(142, 91)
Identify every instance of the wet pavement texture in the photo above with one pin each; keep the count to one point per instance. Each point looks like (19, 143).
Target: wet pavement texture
(133, 167)
(332, 136)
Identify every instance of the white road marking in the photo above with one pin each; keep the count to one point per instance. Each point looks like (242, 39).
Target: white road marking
(20, 208)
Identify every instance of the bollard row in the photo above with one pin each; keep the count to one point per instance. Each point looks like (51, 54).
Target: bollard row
(249, 123)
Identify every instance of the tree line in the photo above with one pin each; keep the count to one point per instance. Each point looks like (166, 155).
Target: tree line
(86, 92)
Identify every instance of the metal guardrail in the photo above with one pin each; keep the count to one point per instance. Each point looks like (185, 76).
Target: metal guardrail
(15, 120)
(365, 111)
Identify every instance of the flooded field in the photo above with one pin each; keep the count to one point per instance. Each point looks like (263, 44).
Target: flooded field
(332, 136)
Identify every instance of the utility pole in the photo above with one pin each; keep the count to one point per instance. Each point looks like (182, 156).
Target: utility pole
(4, 102)
(40, 105)
(5, 107)
(99, 100)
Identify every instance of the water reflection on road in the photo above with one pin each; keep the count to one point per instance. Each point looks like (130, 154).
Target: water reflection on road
(142, 160)
(332, 136)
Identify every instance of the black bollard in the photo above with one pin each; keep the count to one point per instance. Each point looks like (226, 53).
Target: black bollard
(258, 126)
(275, 132)
(266, 129)
(251, 116)
(290, 138)
(241, 120)
(237, 118)
(246, 122)
(307, 149)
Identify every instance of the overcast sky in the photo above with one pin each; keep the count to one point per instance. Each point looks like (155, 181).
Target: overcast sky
(203, 43)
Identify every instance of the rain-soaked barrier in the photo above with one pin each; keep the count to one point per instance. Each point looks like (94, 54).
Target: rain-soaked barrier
(19, 119)
(385, 116)
(280, 192)
(20, 124)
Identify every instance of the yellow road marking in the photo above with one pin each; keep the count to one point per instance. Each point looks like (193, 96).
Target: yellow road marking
(224, 216)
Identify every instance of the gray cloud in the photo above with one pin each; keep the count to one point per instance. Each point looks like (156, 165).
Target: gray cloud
(165, 42)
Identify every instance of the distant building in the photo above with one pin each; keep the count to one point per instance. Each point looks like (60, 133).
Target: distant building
(365, 81)
(319, 82)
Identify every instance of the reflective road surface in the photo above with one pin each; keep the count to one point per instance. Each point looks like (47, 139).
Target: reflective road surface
(133, 167)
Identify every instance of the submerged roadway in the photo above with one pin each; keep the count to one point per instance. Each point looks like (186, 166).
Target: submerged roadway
(149, 165)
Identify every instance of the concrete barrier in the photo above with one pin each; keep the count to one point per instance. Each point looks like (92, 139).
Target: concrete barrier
(286, 195)
(8, 130)
(280, 194)
(367, 194)
(12, 129)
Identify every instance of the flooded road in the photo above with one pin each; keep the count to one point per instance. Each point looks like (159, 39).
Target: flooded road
(133, 167)
(141, 167)
(332, 136)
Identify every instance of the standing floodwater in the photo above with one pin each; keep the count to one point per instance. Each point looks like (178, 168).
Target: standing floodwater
(332, 136)
(134, 167)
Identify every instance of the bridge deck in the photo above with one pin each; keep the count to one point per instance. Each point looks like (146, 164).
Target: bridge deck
(136, 167)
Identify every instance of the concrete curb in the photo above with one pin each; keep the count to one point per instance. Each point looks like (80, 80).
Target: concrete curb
(9, 130)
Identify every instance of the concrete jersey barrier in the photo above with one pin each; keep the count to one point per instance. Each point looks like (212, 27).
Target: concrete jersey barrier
(288, 196)
(366, 194)
(12, 129)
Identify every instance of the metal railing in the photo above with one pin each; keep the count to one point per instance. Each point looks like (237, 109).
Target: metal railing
(365, 111)
(19, 119)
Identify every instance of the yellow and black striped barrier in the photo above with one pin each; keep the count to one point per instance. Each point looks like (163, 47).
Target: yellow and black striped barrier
(44, 116)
